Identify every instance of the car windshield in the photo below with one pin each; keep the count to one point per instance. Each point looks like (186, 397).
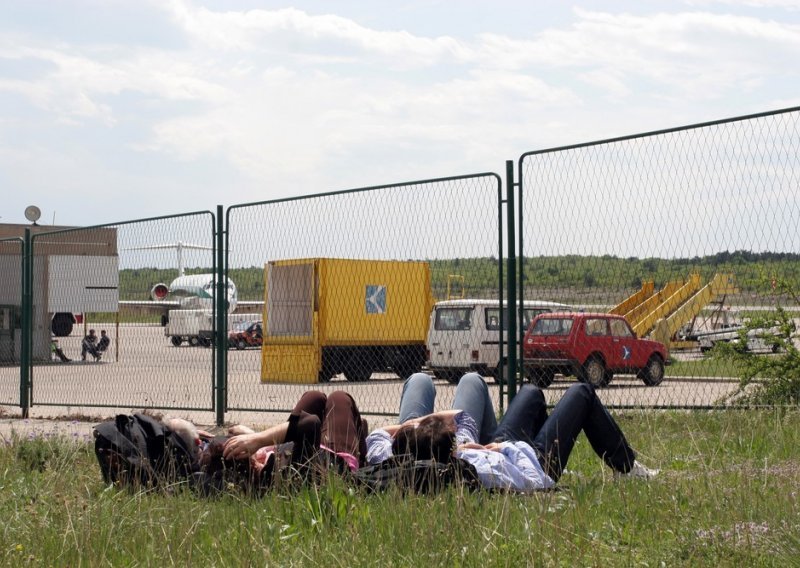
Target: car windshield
(241, 326)
(552, 326)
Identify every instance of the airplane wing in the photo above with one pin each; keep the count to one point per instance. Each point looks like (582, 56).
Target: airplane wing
(162, 307)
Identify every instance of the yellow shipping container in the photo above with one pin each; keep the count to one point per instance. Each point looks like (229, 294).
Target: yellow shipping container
(326, 316)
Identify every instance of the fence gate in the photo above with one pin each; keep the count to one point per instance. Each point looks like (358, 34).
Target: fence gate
(147, 285)
(349, 279)
(684, 231)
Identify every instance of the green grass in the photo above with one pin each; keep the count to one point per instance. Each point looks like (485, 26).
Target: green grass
(728, 495)
(705, 367)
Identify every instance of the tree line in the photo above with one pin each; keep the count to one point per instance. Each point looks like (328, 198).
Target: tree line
(753, 272)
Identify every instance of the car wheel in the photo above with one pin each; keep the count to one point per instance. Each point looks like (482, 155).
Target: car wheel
(653, 373)
(176, 341)
(542, 378)
(194, 341)
(594, 372)
(241, 344)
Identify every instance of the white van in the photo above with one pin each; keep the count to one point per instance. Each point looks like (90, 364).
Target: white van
(464, 335)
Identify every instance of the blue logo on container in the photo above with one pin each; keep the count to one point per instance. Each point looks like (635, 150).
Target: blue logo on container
(626, 352)
(376, 299)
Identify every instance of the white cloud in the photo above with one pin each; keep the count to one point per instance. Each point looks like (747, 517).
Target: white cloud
(291, 29)
(290, 100)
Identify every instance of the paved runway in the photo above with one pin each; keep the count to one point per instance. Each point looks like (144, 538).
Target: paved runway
(143, 370)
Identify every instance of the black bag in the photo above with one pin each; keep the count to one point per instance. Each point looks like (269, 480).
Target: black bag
(420, 476)
(138, 451)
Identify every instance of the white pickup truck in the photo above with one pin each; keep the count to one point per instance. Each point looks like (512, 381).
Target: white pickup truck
(196, 327)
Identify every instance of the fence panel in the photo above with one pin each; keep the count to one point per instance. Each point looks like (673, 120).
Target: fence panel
(700, 220)
(351, 278)
(11, 250)
(125, 281)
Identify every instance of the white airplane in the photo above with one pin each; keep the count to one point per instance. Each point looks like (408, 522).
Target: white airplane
(194, 291)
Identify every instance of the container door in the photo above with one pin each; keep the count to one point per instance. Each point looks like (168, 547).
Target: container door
(290, 352)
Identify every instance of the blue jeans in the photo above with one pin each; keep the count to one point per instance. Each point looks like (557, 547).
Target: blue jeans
(553, 436)
(472, 396)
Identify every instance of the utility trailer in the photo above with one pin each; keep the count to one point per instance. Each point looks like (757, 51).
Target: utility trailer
(328, 316)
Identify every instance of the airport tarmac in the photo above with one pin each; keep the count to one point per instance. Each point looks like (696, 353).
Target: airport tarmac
(143, 370)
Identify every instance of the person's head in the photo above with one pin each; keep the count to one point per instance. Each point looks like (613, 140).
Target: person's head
(91, 332)
(186, 430)
(103, 332)
(431, 438)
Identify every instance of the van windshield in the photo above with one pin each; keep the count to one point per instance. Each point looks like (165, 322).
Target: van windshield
(452, 319)
(552, 326)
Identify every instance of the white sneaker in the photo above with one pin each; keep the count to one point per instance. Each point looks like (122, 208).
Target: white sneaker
(638, 471)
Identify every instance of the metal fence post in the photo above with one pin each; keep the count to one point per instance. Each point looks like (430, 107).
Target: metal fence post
(221, 312)
(26, 325)
(511, 282)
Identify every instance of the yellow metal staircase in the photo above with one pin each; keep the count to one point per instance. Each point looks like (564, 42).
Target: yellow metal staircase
(661, 314)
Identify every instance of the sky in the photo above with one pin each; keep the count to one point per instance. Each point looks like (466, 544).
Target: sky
(113, 110)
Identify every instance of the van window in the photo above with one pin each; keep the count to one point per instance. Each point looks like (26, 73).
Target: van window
(552, 326)
(528, 314)
(452, 319)
(493, 318)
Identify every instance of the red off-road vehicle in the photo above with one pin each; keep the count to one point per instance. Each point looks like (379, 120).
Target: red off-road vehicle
(591, 347)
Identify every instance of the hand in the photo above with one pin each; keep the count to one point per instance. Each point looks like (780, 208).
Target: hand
(204, 435)
(492, 447)
(241, 447)
(238, 429)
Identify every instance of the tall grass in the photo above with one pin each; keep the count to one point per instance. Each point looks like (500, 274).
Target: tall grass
(727, 495)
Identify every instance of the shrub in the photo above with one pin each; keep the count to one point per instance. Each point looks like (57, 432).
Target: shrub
(765, 379)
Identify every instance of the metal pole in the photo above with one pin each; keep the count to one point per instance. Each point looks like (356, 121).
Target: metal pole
(26, 326)
(501, 340)
(511, 282)
(521, 268)
(221, 309)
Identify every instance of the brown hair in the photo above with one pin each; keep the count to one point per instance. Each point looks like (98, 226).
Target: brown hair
(431, 439)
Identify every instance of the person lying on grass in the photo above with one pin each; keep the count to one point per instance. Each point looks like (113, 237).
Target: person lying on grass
(528, 450)
(330, 424)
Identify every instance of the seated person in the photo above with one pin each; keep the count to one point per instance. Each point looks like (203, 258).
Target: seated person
(58, 352)
(527, 451)
(89, 345)
(103, 344)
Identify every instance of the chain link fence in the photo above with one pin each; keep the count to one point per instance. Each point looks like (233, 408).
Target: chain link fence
(341, 287)
(686, 232)
(10, 319)
(116, 299)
